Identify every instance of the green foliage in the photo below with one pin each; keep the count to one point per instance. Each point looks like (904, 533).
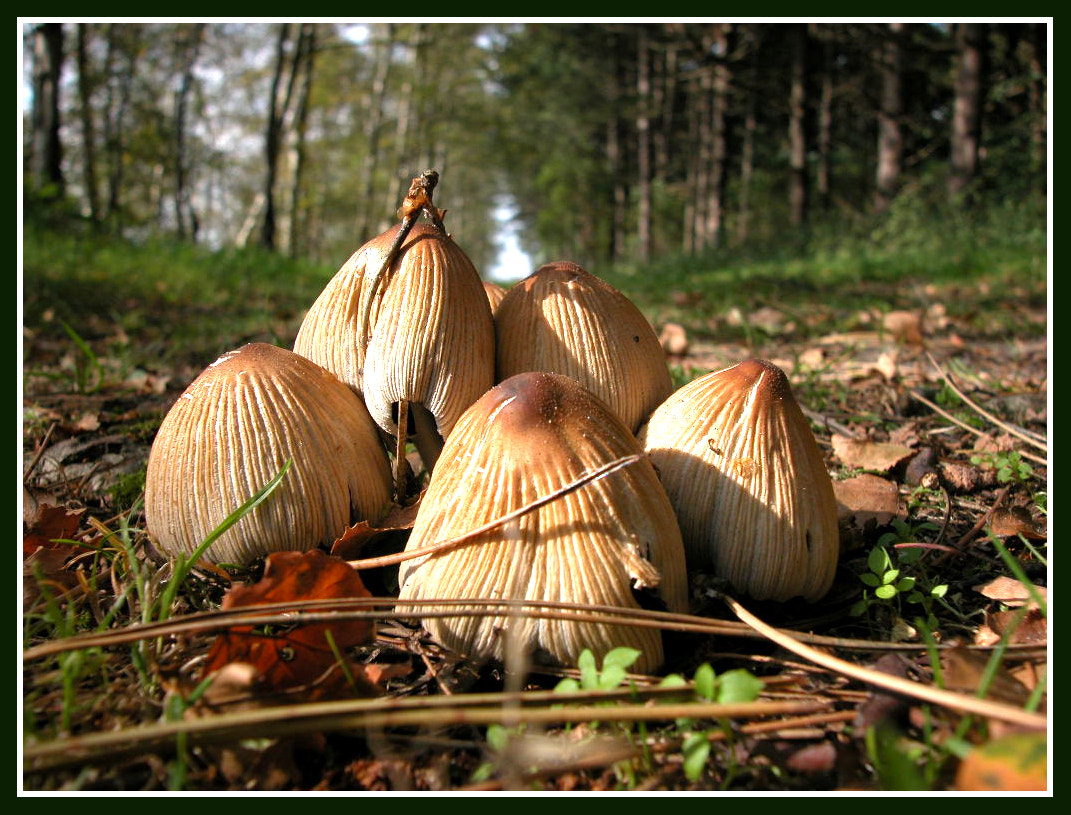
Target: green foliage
(887, 581)
(614, 668)
(1009, 466)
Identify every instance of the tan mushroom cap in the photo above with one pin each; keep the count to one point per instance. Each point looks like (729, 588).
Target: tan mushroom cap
(565, 320)
(748, 482)
(232, 431)
(432, 337)
(524, 439)
(495, 293)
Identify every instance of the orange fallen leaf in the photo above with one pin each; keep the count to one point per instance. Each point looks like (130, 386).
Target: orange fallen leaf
(1017, 762)
(1009, 523)
(301, 655)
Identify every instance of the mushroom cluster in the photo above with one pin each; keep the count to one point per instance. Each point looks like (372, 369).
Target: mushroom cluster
(580, 478)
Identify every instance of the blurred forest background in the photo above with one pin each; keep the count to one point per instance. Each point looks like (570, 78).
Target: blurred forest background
(603, 143)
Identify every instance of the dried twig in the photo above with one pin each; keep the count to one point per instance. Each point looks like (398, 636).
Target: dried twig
(918, 396)
(441, 546)
(1030, 438)
(926, 693)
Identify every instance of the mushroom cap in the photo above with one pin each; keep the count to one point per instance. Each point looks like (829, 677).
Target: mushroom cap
(495, 293)
(232, 431)
(524, 439)
(432, 335)
(748, 482)
(565, 320)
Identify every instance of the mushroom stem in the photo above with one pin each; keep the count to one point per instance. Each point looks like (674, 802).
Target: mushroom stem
(426, 438)
(400, 462)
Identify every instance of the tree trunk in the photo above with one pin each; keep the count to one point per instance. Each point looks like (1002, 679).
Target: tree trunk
(122, 41)
(643, 147)
(747, 146)
(185, 217)
(615, 159)
(704, 156)
(824, 171)
(298, 239)
(718, 135)
(89, 149)
(282, 88)
(46, 167)
(797, 145)
(366, 217)
(967, 106)
(890, 140)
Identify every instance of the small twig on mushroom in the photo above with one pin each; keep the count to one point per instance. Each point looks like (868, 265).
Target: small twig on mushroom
(1030, 438)
(587, 478)
(417, 200)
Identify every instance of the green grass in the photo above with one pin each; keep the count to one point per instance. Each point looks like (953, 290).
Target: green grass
(184, 303)
(984, 266)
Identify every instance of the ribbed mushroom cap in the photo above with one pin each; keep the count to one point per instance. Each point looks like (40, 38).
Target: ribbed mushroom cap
(748, 482)
(565, 320)
(233, 430)
(524, 439)
(432, 338)
(495, 293)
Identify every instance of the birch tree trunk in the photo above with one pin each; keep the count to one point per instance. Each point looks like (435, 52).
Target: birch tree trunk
(46, 160)
(797, 145)
(89, 147)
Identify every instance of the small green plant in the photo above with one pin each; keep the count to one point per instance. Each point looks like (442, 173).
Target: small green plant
(888, 584)
(615, 667)
(1010, 467)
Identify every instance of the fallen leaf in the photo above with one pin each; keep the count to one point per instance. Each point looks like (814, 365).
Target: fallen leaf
(963, 478)
(357, 537)
(301, 655)
(1033, 629)
(906, 434)
(1017, 762)
(1009, 523)
(1011, 592)
(674, 339)
(869, 455)
(867, 499)
(963, 671)
(814, 758)
(52, 523)
(87, 422)
(904, 326)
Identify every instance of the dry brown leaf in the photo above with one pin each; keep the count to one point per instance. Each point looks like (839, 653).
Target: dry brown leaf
(349, 544)
(964, 478)
(1017, 762)
(1008, 523)
(906, 434)
(301, 655)
(87, 422)
(1011, 592)
(867, 498)
(869, 455)
(1033, 629)
(904, 326)
(674, 339)
(963, 671)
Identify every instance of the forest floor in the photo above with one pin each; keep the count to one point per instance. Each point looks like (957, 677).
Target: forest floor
(929, 402)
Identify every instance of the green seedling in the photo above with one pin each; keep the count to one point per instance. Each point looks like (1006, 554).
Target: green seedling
(1010, 467)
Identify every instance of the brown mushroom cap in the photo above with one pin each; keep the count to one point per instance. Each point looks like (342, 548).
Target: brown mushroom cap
(233, 430)
(524, 439)
(495, 293)
(565, 320)
(432, 336)
(748, 482)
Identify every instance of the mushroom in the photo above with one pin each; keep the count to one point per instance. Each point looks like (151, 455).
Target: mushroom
(748, 482)
(523, 440)
(495, 293)
(233, 430)
(431, 348)
(565, 320)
